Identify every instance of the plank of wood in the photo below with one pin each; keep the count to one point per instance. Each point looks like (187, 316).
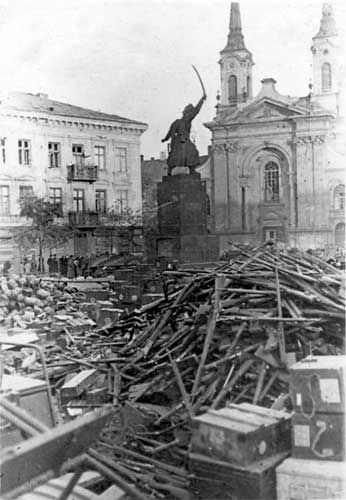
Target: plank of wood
(77, 384)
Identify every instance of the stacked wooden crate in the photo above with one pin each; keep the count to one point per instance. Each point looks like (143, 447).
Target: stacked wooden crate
(317, 468)
(234, 452)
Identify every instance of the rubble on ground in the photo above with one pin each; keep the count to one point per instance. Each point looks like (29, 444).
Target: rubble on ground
(219, 336)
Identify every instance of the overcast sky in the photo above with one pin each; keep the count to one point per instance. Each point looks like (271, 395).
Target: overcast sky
(133, 57)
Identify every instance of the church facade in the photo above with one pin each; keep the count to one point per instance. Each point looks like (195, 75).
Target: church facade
(278, 162)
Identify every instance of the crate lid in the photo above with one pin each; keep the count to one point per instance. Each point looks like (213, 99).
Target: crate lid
(239, 418)
(313, 468)
(320, 362)
(20, 384)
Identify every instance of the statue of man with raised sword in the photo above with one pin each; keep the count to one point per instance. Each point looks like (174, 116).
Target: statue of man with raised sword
(183, 153)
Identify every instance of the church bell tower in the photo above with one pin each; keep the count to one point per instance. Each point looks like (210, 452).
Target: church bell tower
(235, 64)
(326, 62)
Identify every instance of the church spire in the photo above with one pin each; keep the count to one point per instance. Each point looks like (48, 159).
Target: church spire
(235, 64)
(235, 39)
(327, 25)
(326, 62)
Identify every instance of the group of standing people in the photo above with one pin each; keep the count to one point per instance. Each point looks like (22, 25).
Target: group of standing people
(71, 266)
(30, 265)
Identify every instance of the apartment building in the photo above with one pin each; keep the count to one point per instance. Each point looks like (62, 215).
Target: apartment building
(84, 161)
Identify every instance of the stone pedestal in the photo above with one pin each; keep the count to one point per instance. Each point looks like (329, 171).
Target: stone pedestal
(182, 220)
(182, 205)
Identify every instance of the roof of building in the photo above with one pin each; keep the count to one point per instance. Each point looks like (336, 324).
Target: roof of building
(40, 103)
(303, 106)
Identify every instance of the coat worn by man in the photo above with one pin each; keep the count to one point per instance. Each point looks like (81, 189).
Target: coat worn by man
(183, 153)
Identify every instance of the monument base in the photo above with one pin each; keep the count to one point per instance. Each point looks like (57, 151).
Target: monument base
(182, 205)
(186, 248)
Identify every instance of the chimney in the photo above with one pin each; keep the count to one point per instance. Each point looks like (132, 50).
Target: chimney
(268, 89)
(163, 155)
(268, 84)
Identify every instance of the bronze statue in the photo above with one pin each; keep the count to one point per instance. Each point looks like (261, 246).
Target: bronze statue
(183, 153)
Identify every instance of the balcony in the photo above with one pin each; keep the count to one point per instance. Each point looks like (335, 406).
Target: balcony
(7, 220)
(82, 173)
(84, 218)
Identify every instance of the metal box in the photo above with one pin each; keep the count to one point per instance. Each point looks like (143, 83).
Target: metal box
(31, 395)
(318, 385)
(320, 438)
(310, 479)
(241, 434)
(214, 479)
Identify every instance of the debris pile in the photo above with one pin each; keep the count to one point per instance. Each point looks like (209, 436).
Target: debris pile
(29, 302)
(218, 336)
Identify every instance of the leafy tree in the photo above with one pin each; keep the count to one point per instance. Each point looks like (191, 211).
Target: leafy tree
(128, 225)
(44, 230)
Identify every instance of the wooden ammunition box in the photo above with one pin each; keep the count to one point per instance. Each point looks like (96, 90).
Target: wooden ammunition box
(32, 396)
(310, 479)
(129, 294)
(318, 385)
(241, 434)
(320, 438)
(77, 384)
(214, 479)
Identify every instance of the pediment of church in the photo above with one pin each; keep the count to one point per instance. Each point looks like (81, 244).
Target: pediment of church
(267, 109)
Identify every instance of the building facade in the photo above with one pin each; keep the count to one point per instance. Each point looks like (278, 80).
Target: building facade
(278, 162)
(82, 160)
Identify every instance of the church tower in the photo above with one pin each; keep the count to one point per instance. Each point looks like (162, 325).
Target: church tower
(326, 62)
(235, 64)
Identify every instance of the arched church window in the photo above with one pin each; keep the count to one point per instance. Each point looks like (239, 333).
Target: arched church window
(232, 89)
(326, 76)
(271, 182)
(339, 197)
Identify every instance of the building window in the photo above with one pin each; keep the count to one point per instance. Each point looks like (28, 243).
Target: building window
(78, 154)
(100, 157)
(123, 200)
(25, 192)
(248, 86)
(3, 150)
(54, 154)
(121, 156)
(339, 197)
(326, 76)
(232, 89)
(243, 208)
(24, 152)
(100, 201)
(271, 182)
(78, 200)
(4, 200)
(55, 197)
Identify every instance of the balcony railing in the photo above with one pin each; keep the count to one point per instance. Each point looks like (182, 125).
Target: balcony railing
(13, 220)
(84, 218)
(85, 173)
